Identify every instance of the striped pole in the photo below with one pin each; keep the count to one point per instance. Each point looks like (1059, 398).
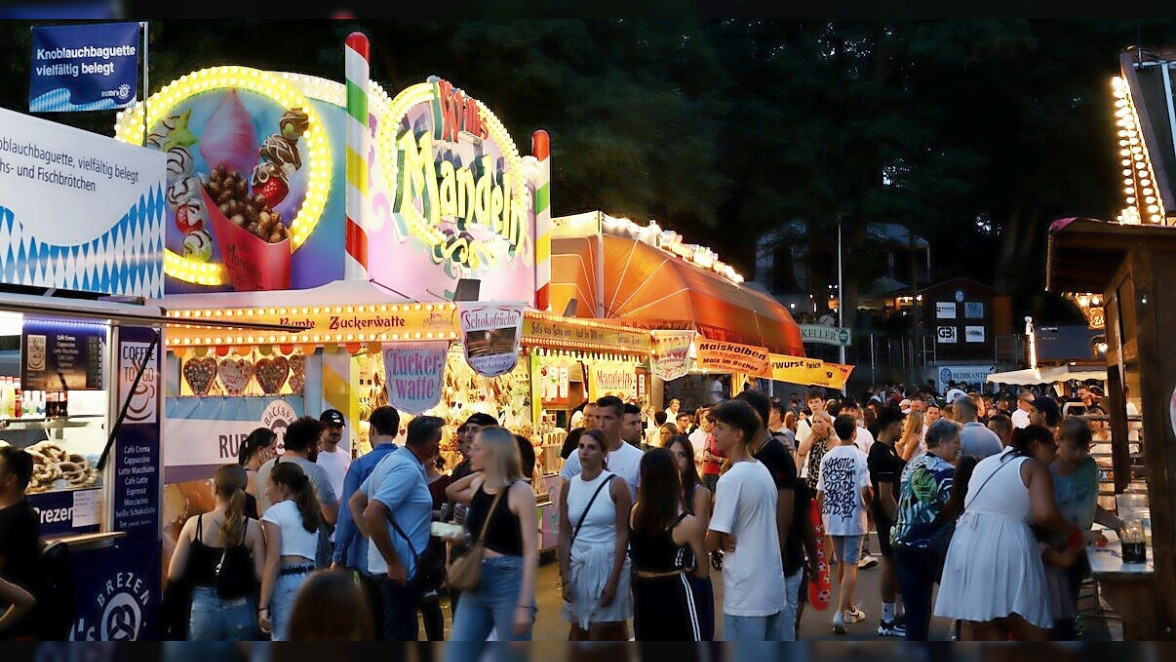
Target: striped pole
(358, 143)
(541, 150)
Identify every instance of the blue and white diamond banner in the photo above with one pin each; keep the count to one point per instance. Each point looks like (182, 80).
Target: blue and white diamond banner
(79, 211)
(84, 67)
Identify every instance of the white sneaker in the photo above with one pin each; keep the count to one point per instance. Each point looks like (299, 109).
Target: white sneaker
(855, 615)
(867, 561)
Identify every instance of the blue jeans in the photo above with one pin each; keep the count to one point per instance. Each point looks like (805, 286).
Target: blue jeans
(281, 604)
(491, 606)
(792, 593)
(213, 619)
(916, 576)
(757, 628)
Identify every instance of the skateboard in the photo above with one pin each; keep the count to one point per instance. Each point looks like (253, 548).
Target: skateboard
(820, 588)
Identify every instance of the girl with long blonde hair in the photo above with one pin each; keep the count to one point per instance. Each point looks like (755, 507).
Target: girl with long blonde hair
(911, 442)
(221, 541)
(503, 504)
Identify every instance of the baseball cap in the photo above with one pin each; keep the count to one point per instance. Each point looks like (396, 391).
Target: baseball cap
(332, 417)
(482, 420)
(905, 406)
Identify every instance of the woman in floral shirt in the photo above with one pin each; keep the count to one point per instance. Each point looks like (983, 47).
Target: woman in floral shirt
(926, 487)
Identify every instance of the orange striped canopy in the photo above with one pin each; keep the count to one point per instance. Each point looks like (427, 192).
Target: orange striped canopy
(656, 289)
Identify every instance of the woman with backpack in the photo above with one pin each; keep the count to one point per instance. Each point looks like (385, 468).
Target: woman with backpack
(220, 555)
(291, 528)
(593, 539)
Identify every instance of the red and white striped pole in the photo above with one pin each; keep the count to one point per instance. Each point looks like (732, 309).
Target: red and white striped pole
(541, 150)
(359, 139)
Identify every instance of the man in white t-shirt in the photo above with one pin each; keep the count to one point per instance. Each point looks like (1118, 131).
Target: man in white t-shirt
(331, 458)
(743, 525)
(698, 437)
(1020, 415)
(843, 495)
(816, 405)
(672, 409)
(624, 459)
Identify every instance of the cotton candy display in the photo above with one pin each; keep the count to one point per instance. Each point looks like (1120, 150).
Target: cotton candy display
(229, 137)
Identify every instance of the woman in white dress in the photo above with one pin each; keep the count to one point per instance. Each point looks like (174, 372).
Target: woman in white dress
(593, 547)
(993, 578)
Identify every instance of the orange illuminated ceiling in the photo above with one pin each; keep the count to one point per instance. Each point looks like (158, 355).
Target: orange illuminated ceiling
(659, 290)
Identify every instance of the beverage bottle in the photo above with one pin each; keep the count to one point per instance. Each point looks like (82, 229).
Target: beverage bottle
(17, 404)
(51, 404)
(5, 398)
(64, 403)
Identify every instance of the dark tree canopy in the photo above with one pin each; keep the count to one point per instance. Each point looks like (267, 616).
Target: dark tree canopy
(973, 133)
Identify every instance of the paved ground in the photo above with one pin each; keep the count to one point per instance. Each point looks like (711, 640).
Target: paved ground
(815, 625)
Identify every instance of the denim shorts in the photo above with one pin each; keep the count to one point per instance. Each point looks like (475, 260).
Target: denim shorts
(758, 628)
(213, 619)
(847, 549)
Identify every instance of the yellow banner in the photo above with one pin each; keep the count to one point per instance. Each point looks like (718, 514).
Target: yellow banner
(809, 372)
(718, 356)
(319, 324)
(539, 331)
(617, 378)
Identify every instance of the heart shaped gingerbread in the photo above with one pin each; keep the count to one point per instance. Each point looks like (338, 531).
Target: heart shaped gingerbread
(297, 373)
(272, 373)
(200, 374)
(235, 375)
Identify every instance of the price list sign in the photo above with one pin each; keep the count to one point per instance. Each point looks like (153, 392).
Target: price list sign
(58, 355)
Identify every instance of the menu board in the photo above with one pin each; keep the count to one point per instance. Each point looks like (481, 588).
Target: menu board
(59, 355)
(137, 457)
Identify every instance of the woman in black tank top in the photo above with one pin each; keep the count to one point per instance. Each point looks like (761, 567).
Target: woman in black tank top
(663, 539)
(226, 543)
(504, 600)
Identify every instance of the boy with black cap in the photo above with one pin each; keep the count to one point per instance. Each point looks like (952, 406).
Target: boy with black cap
(331, 458)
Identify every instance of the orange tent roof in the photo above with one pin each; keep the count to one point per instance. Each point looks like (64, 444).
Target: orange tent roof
(660, 290)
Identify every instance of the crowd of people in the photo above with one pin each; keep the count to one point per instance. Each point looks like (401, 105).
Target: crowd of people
(991, 497)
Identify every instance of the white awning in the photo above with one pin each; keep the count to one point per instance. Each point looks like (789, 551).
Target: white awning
(1048, 375)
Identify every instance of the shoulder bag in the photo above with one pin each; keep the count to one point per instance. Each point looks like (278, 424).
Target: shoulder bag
(430, 564)
(940, 540)
(591, 501)
(465, 570)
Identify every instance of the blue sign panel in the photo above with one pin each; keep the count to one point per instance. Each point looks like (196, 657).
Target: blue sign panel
(118, 592)
(62, 355)
(84, 67)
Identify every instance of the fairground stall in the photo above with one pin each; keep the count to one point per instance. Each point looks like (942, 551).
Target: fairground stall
(1129, 268)
(712, 336)
(410, 275)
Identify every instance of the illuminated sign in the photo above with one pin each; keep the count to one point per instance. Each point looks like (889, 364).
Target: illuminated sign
(249, 172)
(548, 332)
(449, 199)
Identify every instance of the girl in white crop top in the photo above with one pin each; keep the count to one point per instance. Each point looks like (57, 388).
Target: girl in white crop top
(291, 528)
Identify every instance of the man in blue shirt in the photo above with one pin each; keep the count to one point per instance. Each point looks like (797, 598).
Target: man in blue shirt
(398, 491)
(351, 548)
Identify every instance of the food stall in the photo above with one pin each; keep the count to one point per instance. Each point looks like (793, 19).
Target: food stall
(711, 334)
(362, 262)
(78, 357)
(1129, 267)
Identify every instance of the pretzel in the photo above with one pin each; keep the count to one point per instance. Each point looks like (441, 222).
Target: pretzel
(52, 463)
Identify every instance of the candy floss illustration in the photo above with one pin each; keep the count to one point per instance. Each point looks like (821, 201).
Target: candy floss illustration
(229, 137)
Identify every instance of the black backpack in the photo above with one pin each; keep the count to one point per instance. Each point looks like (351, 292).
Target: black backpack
(55, 612)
